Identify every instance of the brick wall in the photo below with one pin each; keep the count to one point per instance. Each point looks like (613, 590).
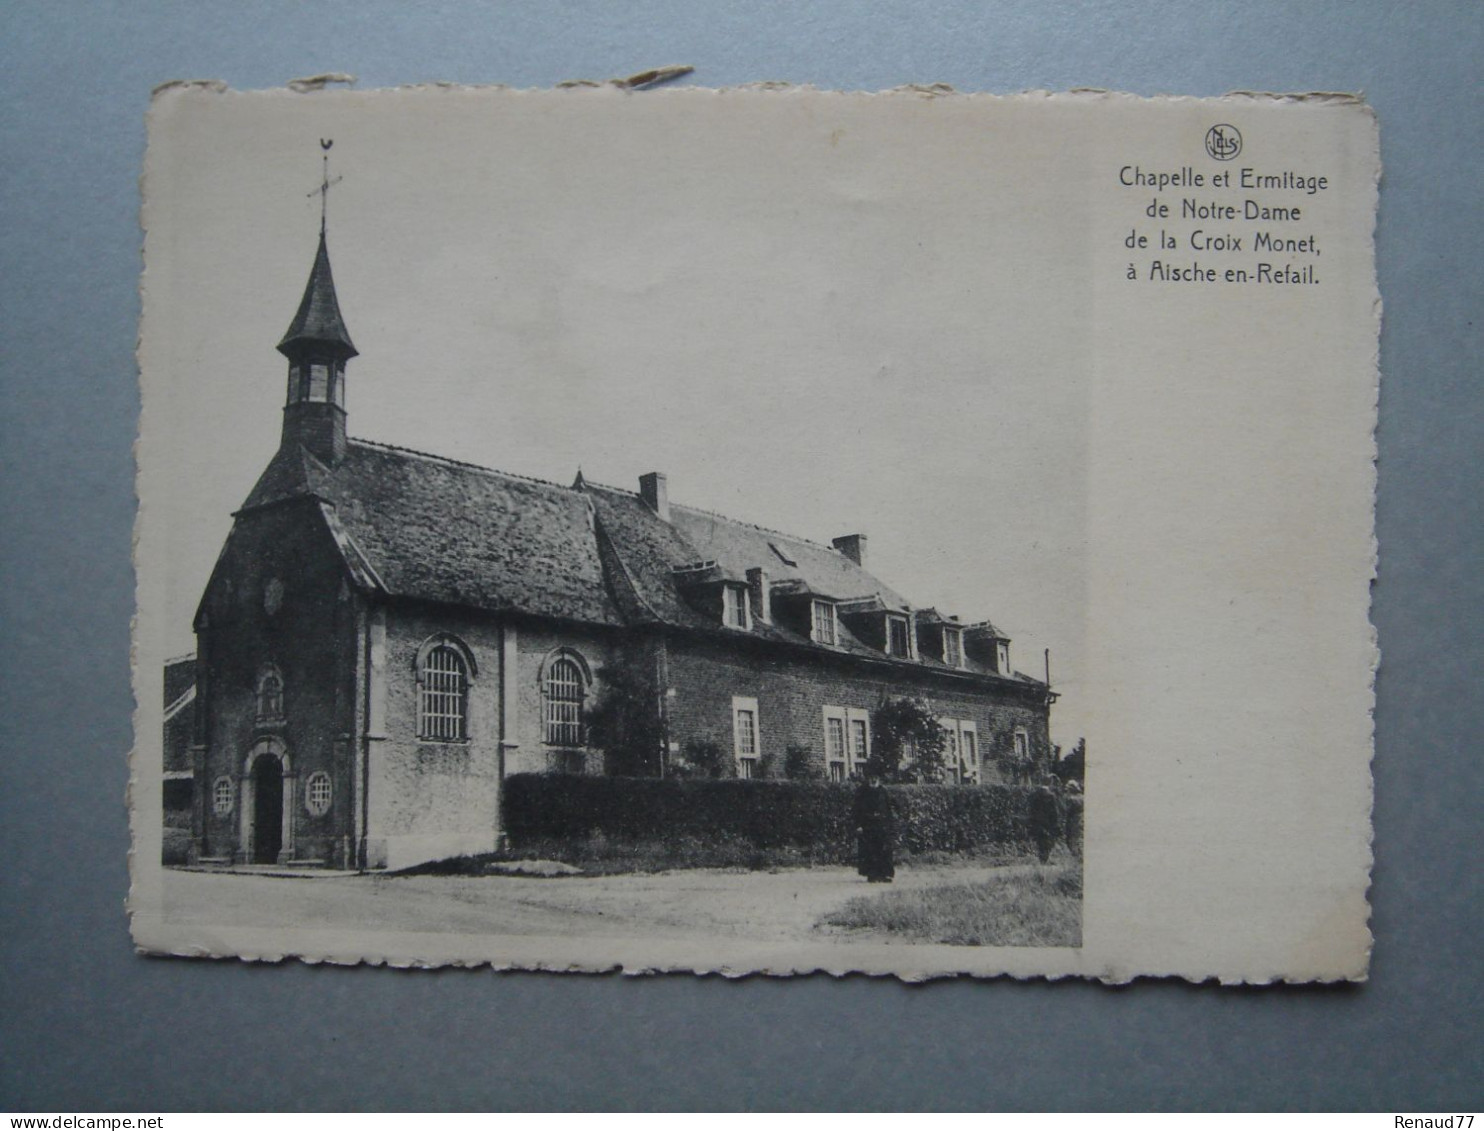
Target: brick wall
(792, 695)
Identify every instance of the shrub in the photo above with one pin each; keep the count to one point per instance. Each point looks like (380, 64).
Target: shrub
(701, 759)
(799, 764)
(1073, 827)
(908, 743)
(811, 816)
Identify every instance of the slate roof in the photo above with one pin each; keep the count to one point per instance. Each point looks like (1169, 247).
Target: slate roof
(420, 526)
(414, 525)
(180, 677)
(739, 546)
(318, 318)
(180, 693)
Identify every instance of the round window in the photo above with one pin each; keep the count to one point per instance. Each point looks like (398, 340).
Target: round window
(222, 795)
(317, 793)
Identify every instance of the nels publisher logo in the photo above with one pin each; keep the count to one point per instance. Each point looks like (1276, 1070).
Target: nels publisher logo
(1223, 141)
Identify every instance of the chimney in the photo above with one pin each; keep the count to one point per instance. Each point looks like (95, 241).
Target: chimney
(853, 546)
(654, 493)
(762, 594)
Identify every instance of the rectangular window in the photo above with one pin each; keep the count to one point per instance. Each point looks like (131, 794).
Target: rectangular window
(952, 767)
(1022, 743)
(898, 637)
(953, 647)
(969, 752)
(734, 606)
(835, 758)
(319, 382)
(1002, 658)
(745, 735)
(860, 740)
(824, 623)
(960, 751)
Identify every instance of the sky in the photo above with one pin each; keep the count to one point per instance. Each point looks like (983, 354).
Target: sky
(823, 316)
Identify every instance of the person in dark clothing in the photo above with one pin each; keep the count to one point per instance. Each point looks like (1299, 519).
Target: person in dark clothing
(1047, 816)
(875, 832)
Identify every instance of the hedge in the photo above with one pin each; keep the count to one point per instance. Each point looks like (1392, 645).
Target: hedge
(815, 816)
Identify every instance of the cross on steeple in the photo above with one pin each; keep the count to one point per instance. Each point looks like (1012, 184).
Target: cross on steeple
(317, 346)
(323, 192)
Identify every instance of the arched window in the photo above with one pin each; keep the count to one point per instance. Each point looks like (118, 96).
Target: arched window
(270, 695)
(443, 699)
(565, 689)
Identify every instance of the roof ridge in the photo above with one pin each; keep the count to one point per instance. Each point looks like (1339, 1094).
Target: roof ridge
(460, 463)
(593, 484)
(718, 514)
(755, 526)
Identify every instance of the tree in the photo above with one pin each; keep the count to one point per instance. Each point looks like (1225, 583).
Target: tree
(907, 742)
(625, 721)
(1072, 768)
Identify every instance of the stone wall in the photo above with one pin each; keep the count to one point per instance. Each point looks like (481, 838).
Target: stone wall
(278, 597)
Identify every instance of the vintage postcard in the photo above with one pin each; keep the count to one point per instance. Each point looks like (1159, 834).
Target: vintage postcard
(757, 531)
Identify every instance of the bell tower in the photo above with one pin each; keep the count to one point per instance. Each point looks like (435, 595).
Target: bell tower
(317, 346)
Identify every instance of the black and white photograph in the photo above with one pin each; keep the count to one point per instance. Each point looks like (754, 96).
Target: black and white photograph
(600, 529)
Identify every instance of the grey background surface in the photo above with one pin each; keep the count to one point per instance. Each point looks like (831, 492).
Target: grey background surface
(87, 1025)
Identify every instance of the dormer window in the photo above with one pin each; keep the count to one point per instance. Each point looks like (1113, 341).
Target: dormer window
(953, 647)
(1002, 657)
(734, 607)
(898, 637)
(824, 629)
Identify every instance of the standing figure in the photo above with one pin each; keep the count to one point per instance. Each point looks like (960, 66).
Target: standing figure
(1047, 815)
(875, 832)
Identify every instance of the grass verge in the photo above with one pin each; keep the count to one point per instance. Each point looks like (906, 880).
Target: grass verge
(1034, 906)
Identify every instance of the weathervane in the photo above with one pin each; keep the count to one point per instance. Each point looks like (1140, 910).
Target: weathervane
(323, 192)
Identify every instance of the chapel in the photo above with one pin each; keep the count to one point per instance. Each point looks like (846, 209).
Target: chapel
(387, 635)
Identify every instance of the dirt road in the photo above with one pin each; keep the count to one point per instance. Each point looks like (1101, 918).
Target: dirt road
(781, 906)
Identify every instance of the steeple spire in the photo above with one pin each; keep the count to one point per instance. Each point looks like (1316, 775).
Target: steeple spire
(317, 346)
(318, 321)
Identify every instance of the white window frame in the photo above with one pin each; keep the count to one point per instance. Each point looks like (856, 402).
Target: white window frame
(855, 763)
(223, 796)
(736, 598)
(834, 622)
(973, 774)
(961, 769)
(957, 636)
(319, 793)
(952, 750)
(555, 727)
(908, 635)
(442, 703)
(1002, 657)
(747, 762)
(1022, 742)
(833, 764)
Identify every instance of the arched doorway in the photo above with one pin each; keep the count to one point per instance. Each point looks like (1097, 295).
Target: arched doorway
(267, 815)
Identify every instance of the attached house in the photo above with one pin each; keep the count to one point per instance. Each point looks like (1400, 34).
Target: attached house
(388, 634)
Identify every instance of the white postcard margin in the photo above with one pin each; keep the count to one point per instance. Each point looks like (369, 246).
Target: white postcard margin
(1230, 491)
